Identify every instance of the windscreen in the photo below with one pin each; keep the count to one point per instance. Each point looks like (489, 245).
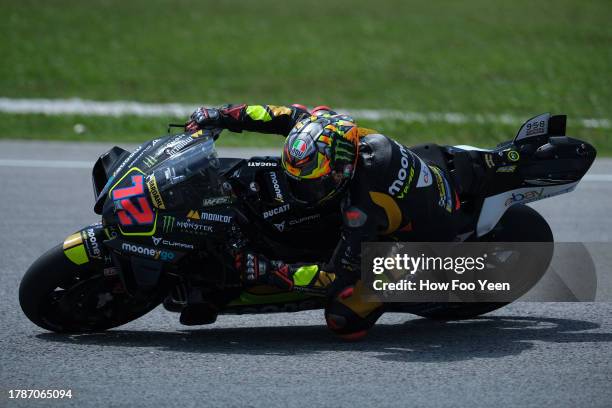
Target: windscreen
(187, 178)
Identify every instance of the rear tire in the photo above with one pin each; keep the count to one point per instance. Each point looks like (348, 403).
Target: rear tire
(520, 223)
(57, 295)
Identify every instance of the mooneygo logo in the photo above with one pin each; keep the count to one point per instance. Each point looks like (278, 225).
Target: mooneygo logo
(149, 252)
(277, 190)
(402, 173)
(406, 184)
(89, 236)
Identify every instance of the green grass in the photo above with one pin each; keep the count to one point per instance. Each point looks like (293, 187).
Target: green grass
(521, 57)
(136, 129)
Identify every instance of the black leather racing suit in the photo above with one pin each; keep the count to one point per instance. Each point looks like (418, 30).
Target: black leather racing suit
(394, 194)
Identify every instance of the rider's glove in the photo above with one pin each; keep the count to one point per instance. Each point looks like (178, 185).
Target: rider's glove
(203, 118)
(257, 269)
(253, 267)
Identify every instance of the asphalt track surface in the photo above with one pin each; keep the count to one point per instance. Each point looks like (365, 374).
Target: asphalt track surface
(526, 354)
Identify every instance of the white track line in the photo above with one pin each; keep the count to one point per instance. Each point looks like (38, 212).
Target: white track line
(120, 108)
(597, 177)
(70, 164)
(57, 164)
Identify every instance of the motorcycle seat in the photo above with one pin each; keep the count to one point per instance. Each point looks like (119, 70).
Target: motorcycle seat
(462, 166)
(431, 153)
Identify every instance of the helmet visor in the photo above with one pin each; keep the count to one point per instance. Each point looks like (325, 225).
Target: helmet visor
(313, 191)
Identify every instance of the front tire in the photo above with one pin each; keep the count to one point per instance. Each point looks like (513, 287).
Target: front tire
(57, 295)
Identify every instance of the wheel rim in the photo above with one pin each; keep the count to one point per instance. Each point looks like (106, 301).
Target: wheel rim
(92, 304)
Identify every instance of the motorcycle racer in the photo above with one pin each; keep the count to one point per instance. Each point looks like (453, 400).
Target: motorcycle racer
(385, 191)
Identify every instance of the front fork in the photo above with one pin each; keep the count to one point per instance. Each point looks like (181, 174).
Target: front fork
(86, 248)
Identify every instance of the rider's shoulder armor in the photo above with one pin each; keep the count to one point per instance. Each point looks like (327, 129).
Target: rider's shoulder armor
(375, 150)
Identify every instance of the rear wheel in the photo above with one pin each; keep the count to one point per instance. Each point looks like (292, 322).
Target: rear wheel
(519, 224)
(60, 296)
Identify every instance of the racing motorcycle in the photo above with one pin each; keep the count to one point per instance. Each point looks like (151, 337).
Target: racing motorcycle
(174, 214)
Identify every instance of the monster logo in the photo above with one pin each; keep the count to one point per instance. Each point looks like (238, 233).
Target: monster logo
(168, 223)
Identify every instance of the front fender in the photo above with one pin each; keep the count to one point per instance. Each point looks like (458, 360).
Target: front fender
(86, 245)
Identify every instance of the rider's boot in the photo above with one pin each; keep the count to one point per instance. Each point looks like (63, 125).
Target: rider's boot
(349, 315)
(306, 279)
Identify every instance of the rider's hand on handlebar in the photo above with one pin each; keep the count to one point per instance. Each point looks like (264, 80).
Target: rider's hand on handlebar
(203, 118)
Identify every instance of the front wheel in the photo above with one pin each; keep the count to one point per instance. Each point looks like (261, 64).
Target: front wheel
(58, 295)
(519, 224)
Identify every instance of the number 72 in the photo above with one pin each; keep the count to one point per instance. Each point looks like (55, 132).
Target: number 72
(133, 206)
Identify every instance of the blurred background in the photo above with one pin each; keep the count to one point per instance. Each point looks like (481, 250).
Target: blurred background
(465, 72)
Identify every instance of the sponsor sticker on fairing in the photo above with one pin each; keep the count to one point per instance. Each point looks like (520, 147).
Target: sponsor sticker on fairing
(276, 211)
(425, 178)
(147, 252)
(506, 169)
(189, 226)
(170, 225)
(527, 196)
(149, 161)
(402, 173)
(214, 201)
(278, 194)
(176, 145)
(304, 219)
(205, 216)
(91, 243)
(156, 197)
(262, 164)
(175, 244)
(445, 200)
